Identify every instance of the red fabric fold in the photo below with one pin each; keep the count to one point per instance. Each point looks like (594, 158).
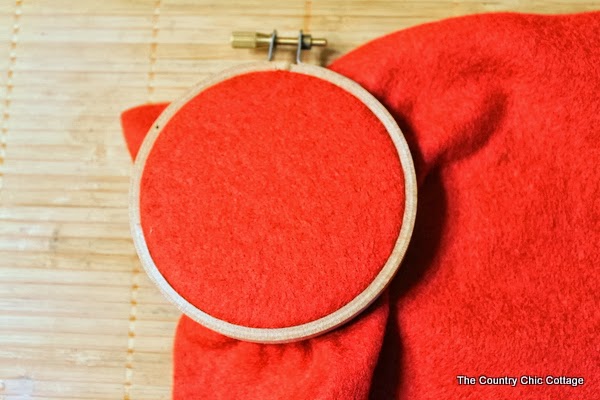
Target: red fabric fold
(337, 365)
(501, 113)
(136, 122)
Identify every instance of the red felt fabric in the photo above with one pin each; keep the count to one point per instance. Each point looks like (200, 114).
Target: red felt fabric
(501, 112)
(136, 123)
(279, 213)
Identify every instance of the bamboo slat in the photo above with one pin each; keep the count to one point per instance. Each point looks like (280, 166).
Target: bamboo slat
(78, 318)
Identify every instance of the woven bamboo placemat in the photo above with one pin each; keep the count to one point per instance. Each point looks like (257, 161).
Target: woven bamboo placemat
(78, 318)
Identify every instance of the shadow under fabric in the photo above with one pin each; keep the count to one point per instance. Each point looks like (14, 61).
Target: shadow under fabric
(502, 116)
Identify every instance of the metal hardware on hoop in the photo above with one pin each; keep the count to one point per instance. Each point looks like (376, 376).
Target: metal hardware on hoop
(255, 40)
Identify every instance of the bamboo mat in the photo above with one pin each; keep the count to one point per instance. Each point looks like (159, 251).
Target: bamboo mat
(78, 318)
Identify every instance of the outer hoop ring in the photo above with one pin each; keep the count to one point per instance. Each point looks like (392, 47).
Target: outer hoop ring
(330, 321)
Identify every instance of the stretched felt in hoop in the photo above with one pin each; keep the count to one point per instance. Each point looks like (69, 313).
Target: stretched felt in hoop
(273, 204)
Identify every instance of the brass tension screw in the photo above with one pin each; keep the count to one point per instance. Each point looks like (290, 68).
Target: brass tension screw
(255, 40)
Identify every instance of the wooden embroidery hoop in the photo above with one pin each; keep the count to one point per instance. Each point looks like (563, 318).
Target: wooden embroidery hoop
(341, 315)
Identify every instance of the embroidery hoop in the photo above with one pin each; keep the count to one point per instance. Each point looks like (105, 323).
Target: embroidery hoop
(339, 316)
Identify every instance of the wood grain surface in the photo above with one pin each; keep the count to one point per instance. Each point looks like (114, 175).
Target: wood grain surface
(78, 318)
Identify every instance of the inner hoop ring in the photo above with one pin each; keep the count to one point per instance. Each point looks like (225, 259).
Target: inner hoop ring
(341, 315)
